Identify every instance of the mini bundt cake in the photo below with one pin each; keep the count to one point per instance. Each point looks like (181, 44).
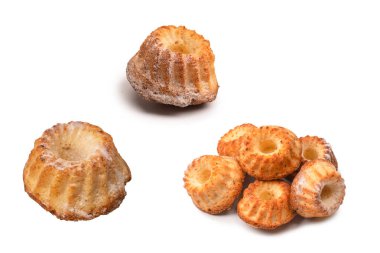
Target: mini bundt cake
(270, 152)
(314, 147)
(230, 143)
(75, 172)
(317, 190)
(174, 66)
(265, 204)
(214, 182)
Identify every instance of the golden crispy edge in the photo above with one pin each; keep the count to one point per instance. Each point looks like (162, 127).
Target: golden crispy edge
(231, 148)
(322, 142)
(327, 150)
(228, 202)
(249, 191)
(247, 155)
(142, 83)
(69, 216)
(112, 205)
(205, 47)
(315, 209)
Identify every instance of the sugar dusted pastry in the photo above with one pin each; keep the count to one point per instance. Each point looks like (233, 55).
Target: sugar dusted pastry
(314, 147)
(231, 142)
(75, 172)
(174, 66)
(317, 190)
(265, 204)
(270, 152)
(214, 182)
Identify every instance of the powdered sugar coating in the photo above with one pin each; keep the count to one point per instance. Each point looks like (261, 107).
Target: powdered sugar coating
(174, 66)
(75, 172)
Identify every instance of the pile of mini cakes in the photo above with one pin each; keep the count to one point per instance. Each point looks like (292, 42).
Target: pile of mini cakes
(273, 156)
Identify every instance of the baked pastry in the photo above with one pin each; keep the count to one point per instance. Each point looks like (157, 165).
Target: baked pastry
(174, 66)
(317, 190)
(314, 147)
(265, 204)
(75, 172)
(214, 182)
(270, 152)
(230, 143)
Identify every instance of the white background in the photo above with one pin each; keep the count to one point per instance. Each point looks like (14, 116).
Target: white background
(311, 66)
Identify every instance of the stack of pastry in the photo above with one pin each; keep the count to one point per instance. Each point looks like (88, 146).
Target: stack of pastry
(273, 156)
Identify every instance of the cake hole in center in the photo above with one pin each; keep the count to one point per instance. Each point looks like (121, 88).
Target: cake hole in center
(326, 193)
(71, 152)
(72, 146)
(310, 154)
(266, 195)
(267, 146)
(203, 175)
(180, 47)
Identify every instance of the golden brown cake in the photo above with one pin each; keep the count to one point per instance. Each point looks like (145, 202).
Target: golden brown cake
(230, 143)
(214, 182)
(75, 172)
(270, 152)
(314, 147)
(317, 190)
(174, 66)
(265, 204)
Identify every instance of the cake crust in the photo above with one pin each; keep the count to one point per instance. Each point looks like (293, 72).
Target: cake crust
(265, 204)
(75, 172)
(214, 182)
(174, 66)
(318, 189)
(231, 142)
(314, 147)
(270, 152)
